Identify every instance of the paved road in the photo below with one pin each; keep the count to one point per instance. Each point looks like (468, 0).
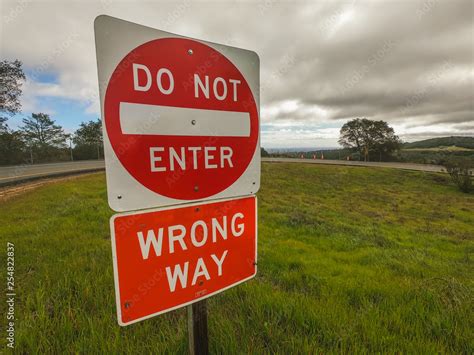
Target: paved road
(27, 172)
(21, 173)
(407, 166)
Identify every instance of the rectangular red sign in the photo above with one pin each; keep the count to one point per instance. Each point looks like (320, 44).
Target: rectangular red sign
(168, 258)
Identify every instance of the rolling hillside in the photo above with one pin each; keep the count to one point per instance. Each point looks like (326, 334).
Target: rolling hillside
(443, 142)
(437, 150)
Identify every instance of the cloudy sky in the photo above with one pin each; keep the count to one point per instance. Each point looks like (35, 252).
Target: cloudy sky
(409, 62)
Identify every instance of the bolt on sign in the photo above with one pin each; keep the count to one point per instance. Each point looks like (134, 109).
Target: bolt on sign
(180, 117)
(168, 258)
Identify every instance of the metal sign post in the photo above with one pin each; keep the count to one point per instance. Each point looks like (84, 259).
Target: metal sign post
(197, 328)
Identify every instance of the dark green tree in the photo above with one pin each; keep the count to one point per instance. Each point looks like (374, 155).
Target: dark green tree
(88, 140)
(45, 140)
(368, 136)
(11, 142)
(461, 172)
(263, 152)
(12, 148)
(40, 129)
(11, 80)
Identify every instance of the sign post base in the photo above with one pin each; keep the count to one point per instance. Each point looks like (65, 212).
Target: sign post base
(197, 328)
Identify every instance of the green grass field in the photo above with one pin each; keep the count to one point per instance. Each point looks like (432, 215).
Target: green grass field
(351, 260)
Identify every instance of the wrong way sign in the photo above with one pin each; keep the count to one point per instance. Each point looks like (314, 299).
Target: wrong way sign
(167, 258)
(180, 117)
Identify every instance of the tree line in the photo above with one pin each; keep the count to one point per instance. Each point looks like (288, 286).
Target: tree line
(40, 139)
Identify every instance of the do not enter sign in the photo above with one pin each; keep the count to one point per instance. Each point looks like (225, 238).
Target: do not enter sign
(181, 117)
(191, 132)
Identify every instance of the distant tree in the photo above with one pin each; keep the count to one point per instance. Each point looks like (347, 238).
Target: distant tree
(88, 140)
(461, 171)
(12, 148)
(40, 129)
(385, 141)
(89, 133)
(366, 136)
(11, 79)
(263, 152)
(3, 125)
(45, 140)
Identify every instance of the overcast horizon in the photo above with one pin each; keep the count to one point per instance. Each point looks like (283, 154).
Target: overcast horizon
(409, 63)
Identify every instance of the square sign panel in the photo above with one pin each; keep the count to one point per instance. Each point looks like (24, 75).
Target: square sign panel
(168, 258)
(180, 117)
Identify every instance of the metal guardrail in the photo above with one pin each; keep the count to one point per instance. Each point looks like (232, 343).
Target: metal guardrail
(12, 175)
(393, 165)
(24, 173)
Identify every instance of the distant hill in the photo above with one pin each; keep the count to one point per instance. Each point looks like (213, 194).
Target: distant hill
(459, 142)
(429, 151)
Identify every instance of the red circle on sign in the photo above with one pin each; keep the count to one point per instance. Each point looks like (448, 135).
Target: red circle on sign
(183, 58)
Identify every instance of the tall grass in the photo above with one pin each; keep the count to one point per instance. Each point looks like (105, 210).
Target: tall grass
(350, 260)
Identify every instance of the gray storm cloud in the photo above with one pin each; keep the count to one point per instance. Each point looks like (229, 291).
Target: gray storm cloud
(407, 62)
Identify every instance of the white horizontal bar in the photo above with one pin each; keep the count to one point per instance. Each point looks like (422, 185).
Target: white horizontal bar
(179, 121)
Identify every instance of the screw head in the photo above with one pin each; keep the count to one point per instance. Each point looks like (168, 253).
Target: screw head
(196, 188)
(190, 51)
(119, 197)
(127, 304)
(193, 122)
